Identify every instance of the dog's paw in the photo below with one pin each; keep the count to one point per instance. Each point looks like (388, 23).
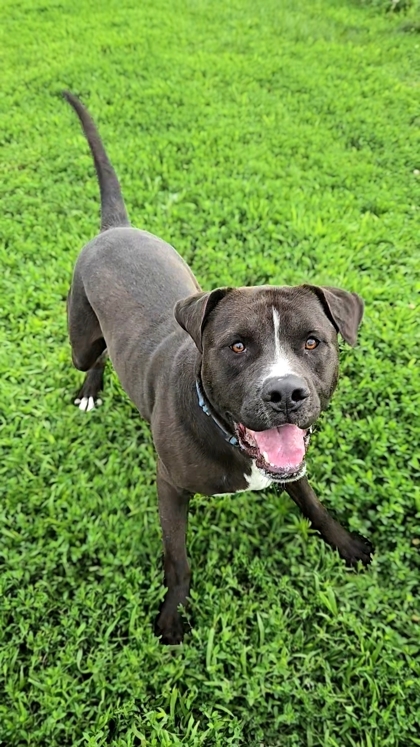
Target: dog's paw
(169, 628)
(87, 403)
(357, 549)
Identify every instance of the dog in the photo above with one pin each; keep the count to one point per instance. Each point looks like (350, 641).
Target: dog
(230, 380)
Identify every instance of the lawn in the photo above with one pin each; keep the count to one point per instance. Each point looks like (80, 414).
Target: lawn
(269, 142)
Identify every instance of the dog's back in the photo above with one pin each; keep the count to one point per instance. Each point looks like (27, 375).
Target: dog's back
(125, 285)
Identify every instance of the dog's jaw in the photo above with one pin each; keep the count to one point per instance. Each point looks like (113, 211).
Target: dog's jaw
(290, 452)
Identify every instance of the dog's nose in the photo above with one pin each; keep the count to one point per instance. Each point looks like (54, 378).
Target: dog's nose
(285, 394)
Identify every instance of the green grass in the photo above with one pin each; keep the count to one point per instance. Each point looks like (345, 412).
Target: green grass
(269, 142)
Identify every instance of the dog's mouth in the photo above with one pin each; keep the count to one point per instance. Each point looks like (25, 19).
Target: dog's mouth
(278, 452)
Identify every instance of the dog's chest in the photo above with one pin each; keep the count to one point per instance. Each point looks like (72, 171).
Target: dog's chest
(256, 481)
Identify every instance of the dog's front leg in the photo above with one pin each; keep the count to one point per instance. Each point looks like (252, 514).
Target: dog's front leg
(352, 547)
(173, 511)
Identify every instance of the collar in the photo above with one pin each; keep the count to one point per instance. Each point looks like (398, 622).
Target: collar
(232, 440)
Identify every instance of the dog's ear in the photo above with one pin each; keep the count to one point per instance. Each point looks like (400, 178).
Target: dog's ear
(192, 312)
(344, 309)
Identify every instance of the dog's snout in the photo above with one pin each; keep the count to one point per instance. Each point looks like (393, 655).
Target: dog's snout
(285, 394)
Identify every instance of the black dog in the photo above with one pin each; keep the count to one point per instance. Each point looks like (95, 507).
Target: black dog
(231, 380)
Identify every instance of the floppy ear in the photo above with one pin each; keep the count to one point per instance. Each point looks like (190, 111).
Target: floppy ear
(344, 309)
(192, 312)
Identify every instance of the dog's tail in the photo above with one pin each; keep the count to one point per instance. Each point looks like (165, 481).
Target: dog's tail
(113, 210)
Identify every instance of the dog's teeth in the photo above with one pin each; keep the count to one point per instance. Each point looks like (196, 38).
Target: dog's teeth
(250, 440)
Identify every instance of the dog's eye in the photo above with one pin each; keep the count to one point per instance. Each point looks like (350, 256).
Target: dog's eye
(238, 347)
(311, 343)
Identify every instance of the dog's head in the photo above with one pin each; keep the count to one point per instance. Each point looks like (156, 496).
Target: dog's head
(269, 363)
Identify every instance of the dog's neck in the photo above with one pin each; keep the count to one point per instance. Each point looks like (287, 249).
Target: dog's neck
(206, 408)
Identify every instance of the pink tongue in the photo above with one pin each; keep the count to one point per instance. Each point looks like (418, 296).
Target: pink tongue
(281, 447)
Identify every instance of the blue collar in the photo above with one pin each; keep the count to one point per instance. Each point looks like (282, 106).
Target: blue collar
(232, 440)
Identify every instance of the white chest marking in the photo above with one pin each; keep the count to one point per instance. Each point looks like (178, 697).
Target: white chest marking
(256, 481)
(281, 365)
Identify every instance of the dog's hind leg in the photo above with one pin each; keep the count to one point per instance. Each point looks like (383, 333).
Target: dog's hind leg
(87, 344)
(87, 398)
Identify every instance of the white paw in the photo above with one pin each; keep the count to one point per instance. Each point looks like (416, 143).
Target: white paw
(87, 403)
